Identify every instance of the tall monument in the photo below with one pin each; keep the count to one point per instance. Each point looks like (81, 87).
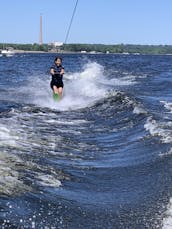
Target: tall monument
(40, 31)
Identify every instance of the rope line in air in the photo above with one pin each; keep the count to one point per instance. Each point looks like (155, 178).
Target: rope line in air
(70, 24)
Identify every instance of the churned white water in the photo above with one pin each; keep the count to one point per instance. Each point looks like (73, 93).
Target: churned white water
(99, 157)
(81, 89)
(161, 129)
(167, 221)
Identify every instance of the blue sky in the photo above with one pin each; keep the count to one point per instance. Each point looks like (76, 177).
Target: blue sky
(96, 21)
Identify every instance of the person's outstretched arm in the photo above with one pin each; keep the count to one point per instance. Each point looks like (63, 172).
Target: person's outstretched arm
(52, 71)
(62, 71)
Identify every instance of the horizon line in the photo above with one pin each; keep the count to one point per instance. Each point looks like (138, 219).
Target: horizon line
(72, 43)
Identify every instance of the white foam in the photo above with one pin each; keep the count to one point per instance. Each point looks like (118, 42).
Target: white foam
(139, 110)
(167, 221)
(10, 182)
(48, 180)
(13, 138)
(7, 137)
(126, 80)
(166, 153)
(67, 122)
(91, 70)
(167, 105)
(81, 89)
(161, 129)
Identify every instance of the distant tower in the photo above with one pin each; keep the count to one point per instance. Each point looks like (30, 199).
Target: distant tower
(40, 31)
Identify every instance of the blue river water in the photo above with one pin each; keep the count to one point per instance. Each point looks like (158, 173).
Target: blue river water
(99, 158)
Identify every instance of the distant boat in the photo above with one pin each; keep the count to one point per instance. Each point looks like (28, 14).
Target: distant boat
(7, 52)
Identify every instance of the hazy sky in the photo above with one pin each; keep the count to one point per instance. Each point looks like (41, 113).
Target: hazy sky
(96, 21)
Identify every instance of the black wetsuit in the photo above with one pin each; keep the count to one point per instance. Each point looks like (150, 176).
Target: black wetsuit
(57, 78)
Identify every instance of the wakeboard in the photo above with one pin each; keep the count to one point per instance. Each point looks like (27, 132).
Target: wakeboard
(56, 97)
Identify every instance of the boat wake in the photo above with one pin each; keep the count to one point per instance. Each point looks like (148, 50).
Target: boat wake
(105, 144)
(82, 89)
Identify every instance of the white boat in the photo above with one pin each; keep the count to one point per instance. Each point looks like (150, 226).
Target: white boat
(7, 52)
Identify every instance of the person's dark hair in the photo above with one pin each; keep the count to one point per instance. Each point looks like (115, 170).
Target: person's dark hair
(58, 58)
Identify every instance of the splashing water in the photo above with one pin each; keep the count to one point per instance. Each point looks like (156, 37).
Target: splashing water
(101, 157)
(81, 89)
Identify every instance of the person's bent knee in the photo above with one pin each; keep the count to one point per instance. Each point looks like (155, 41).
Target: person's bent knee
(60, 90)
(55, 89)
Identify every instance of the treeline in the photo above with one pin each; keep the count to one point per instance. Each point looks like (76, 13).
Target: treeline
(98, 48)
(121, 48)
(26, 47)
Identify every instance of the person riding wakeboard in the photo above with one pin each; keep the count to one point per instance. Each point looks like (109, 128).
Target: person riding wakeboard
(57, 72)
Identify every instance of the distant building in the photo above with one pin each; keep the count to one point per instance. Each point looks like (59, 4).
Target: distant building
(92, 52)
(56, 44)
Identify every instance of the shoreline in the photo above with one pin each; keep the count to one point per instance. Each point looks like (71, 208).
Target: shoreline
(87, 53)
(121, 49)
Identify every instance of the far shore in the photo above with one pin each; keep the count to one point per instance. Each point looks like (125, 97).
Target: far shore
(121, 49)
(25, 51)
(85, 53)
